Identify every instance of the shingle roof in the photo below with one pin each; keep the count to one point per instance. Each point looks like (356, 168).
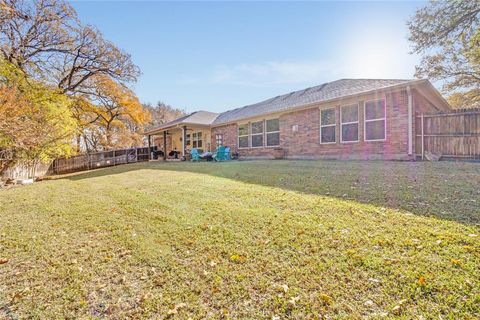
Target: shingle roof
(198, 117)
(323, 92)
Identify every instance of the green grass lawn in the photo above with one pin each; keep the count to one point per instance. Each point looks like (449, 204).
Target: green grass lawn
(248, 240)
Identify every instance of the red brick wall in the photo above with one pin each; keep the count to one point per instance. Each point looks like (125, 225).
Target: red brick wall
(306, 142)
(229, 135)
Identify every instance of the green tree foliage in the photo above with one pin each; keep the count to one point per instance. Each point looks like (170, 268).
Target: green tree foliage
(36, 124)
(447, 36)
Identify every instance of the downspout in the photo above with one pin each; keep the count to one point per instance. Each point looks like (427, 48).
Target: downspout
(410, 121)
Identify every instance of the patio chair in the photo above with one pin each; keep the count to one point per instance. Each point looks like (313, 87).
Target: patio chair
(227, 154)
(220, 154)
(195, 155)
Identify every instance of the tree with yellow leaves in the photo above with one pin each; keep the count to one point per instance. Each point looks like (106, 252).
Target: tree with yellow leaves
(118, 114)
(36, 124)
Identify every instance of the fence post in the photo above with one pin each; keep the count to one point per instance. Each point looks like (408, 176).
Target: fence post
(423, 137)
(114, 160)
(136, 154)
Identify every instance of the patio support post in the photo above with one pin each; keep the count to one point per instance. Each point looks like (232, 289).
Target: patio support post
(184, 138)
(165, 145)
(149, 148)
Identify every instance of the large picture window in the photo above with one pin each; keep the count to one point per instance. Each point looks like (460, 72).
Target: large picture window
(328, 126)
(349, 123)
(243, 135)
(273, 132)
(375, 120)
(257, 134)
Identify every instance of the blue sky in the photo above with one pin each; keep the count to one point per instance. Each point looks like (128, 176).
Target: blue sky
(221, 55)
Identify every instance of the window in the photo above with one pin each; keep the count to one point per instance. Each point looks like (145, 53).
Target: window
(328, 125)
(218, 140)
(349, 123)
(243, 136)
(197, 140)
(375, 120)
(188, 140)
(273, 132)
(257, 134)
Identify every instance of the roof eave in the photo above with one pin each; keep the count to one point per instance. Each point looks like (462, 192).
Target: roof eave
(176, 125)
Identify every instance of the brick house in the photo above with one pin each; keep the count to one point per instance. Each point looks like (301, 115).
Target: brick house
(343, 119)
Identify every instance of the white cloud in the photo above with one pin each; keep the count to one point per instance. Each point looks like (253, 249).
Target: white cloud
(272, 73)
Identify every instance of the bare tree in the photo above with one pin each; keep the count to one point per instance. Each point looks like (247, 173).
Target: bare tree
(46, 40)
(162, 113)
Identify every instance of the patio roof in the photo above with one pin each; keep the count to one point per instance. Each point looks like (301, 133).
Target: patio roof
(199, 118)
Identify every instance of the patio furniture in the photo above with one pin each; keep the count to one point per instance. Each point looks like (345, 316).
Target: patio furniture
(206, 156)
(195, 155)
(221, 154)
(227, 153)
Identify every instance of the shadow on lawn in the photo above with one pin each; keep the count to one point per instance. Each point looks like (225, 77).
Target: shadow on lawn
(446, 190)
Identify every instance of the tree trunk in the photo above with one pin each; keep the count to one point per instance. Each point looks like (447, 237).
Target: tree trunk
(79, 139)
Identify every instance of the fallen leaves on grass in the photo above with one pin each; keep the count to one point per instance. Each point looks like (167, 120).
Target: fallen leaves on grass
(456, 262)
(422, 281)
(235, 258)
(368, 303)
(397, 310)
(326, 299)
(176, 308)
(293, 300)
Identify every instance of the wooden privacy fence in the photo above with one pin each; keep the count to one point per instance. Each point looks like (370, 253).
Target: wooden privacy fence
(451, 135)
(100, 160)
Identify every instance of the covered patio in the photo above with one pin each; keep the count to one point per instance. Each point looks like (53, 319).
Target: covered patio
(177, 137)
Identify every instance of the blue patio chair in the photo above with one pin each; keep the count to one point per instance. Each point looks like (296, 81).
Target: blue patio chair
(227, 154)
(195, 155)
(220, 154)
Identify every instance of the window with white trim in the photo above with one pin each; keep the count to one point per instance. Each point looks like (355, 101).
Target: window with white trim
(243, 135)
(328, 126)
(257, 134)
(272, 128)
(349, 123)
(375, 120)
(197, 141)
(218, 140)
